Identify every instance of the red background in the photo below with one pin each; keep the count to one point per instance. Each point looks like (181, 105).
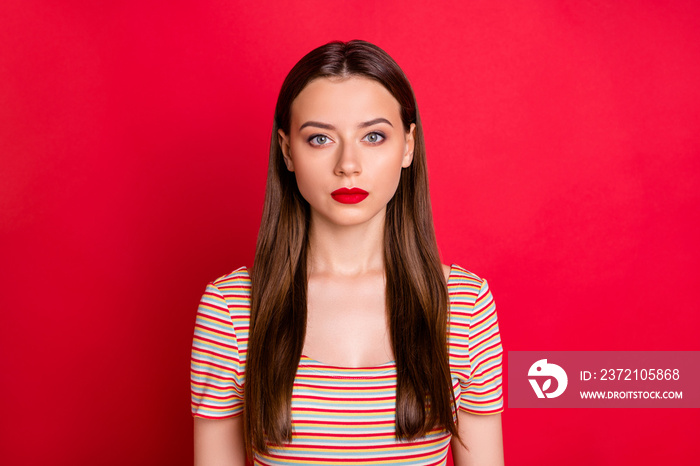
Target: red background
(563, 151)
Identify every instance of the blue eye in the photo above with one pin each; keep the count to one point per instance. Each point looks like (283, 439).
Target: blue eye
(318, 140)
(375, 137)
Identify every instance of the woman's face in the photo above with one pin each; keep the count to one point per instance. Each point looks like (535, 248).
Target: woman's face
(346, 134)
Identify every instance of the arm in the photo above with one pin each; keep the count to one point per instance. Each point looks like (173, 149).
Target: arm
(481, 400)
(219, 442)
(483, 435)
(216, 375)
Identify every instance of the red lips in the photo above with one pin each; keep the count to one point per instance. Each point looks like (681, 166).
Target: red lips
(349, 195)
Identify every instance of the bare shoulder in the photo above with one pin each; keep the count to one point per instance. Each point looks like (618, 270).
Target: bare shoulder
(446, 269)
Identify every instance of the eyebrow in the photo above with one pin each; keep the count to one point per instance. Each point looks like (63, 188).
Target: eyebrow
(365, 124)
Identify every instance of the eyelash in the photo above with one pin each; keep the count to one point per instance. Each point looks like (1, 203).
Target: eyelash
(378, 133)
(314, 136)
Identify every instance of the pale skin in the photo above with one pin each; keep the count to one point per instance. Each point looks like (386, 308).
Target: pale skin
(347, 133)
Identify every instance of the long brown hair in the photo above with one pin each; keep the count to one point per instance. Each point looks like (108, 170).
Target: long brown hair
(416, 291)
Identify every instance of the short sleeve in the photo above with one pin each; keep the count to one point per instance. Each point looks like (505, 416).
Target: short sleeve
(476, 354)
(215, 368)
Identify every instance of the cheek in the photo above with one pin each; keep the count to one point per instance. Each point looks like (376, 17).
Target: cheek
(393, 181)
(308, 178)
(388, 170)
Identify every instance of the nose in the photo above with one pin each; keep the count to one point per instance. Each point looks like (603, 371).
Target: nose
(348, 163)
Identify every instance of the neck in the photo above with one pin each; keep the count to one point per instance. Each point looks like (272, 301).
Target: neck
(346, 250)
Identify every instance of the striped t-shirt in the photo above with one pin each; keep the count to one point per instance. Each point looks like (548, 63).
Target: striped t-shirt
(343, 415)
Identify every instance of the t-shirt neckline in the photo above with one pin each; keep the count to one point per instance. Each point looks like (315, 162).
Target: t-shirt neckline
(389, 364)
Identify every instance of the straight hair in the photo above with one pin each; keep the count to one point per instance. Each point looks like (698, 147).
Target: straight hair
(416, 290)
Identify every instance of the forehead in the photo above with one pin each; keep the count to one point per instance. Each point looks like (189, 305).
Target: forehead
(345, 100)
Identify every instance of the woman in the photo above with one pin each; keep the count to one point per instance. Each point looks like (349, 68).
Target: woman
(347, 272)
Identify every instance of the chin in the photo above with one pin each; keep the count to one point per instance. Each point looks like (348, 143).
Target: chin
(350, 219)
